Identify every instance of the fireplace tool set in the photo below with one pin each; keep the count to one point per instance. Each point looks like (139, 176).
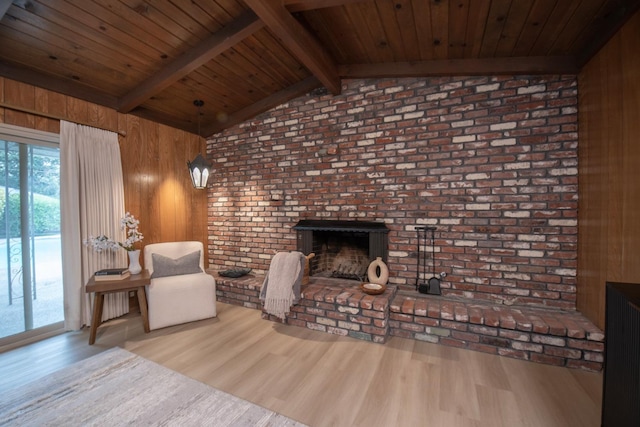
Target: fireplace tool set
(432, 285)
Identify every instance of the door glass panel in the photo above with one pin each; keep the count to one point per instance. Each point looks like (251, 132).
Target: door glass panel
(31, 294)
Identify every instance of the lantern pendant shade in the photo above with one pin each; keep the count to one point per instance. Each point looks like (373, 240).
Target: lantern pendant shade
(199, 170)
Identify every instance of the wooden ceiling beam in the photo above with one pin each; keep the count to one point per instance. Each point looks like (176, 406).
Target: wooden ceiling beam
(301, 88)
(475, 67)
(202, 53)
(302, 5)
(299, 41)
(67, 87)
(165, 119)
(4, 6)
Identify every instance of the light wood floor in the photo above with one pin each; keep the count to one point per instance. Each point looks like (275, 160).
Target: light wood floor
(325, 380)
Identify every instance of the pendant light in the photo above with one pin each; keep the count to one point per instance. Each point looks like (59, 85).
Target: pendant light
(199, 168)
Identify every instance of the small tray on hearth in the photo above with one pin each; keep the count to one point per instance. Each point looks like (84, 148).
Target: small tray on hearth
(372, 288)
(234, 272)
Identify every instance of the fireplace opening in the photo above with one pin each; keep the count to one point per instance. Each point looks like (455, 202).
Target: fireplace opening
(343, 249)
(343, 255)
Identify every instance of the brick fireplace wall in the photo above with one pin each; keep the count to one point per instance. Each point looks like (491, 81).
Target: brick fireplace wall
(490, 161)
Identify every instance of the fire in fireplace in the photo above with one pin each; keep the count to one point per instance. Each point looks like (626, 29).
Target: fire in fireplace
(344, 249)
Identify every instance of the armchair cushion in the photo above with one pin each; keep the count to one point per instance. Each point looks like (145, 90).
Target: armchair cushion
(164, 266)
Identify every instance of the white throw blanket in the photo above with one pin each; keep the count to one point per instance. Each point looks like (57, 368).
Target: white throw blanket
(281, 287)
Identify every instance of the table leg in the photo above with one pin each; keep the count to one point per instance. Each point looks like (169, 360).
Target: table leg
(96, 319)
(142, 302)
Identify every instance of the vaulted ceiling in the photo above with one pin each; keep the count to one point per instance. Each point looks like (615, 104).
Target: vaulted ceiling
(153, 58)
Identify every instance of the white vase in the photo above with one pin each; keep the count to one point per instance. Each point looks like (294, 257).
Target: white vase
(134, 261)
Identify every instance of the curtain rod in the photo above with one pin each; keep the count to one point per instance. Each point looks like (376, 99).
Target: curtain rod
(54, 117)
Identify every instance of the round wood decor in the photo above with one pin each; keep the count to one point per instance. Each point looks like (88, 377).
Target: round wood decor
(378, 272)
(372, 288)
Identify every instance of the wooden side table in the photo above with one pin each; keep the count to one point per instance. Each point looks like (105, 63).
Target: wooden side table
(135, 282)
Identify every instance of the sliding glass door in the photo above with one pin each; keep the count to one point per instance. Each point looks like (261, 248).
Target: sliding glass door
(31, 293)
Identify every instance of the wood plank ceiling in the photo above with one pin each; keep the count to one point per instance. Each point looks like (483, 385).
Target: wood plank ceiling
(153, 58)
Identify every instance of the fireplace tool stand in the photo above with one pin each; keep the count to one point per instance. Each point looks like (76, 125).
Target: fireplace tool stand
(431, 286)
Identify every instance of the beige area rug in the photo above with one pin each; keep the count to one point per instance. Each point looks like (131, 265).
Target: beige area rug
(118, 388)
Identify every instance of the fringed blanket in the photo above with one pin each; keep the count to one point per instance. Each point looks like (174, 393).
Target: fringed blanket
(281, 287)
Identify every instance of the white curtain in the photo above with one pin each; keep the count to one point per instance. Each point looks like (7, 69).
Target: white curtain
(92, 204)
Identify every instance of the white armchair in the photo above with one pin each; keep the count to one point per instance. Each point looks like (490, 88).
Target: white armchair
(180, 290)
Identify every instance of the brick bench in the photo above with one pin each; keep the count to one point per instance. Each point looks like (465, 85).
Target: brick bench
(546, 336)
(244, 291)
(341, 310)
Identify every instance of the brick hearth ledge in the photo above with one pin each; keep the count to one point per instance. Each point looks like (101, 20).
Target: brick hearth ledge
(334, 306)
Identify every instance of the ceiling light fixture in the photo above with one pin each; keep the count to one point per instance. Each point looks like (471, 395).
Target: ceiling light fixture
(199, 168)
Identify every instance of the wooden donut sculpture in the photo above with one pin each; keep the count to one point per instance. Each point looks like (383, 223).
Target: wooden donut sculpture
(378, 272)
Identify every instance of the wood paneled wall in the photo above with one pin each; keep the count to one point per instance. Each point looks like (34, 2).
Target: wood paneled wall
(609, 170)
(157, 186)
(158, 189)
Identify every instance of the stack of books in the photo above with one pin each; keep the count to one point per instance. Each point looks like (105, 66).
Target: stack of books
(111, 274)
